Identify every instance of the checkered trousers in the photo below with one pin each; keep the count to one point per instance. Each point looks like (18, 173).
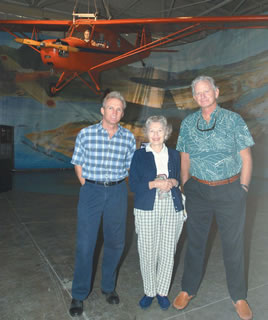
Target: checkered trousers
(158, 233)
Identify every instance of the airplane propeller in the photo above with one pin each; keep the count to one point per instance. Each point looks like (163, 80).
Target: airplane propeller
(43, 44)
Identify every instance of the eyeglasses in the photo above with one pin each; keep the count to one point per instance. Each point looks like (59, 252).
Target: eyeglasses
(209, 129)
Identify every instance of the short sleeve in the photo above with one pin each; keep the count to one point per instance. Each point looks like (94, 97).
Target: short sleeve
(77, 158)
(181, 145)
(242, 134)
(131, 150)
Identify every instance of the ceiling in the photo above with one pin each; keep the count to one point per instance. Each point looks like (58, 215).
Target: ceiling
(117, 9)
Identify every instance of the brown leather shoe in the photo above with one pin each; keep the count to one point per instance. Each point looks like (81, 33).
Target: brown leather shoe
(182, 300)
(243, 310)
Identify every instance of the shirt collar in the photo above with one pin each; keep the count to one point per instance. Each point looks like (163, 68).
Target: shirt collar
(149, 149)
(213, 114)
(216, 111)
(100, 127)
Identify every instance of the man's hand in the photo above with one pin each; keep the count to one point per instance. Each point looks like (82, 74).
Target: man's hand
(78, 172)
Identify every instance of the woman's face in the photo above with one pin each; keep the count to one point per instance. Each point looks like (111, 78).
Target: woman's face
(156, 134)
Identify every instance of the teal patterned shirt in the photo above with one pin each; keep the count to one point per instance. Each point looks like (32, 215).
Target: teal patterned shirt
(214, 154)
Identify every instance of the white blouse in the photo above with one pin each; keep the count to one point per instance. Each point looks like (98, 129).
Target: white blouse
(160, 158)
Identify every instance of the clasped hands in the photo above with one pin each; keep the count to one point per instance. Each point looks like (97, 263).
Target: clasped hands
(165, 185)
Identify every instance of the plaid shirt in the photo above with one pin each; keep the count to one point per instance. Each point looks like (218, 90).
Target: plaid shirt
(102, 158)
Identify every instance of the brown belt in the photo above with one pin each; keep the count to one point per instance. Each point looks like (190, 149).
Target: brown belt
(218, 182)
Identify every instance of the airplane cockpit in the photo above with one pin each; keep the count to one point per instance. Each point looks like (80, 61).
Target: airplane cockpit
(93, 39)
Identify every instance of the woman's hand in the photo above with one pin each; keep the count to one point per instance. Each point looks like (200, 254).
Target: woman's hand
(175, 182)
(163, 185)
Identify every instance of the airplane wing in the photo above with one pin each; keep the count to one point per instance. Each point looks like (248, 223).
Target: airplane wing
(164, 25)
(172, 30)
(155, 25)
(38, 25)
(175, 28)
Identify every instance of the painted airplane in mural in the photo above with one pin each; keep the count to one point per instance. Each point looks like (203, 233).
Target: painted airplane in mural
(112, 43)
(25, 80)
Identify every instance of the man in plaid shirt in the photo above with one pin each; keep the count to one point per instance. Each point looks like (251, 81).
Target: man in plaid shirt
(101, 157)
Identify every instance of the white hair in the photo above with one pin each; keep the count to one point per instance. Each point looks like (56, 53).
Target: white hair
(203, 78)
(161, 119)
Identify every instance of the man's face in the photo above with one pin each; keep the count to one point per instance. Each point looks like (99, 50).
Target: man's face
(112, 112)
(86, 35)
(205, 95)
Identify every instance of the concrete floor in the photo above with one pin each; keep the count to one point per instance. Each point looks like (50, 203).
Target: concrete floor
(37, 247)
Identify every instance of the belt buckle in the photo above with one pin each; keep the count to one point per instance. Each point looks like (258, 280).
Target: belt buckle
(106, 184)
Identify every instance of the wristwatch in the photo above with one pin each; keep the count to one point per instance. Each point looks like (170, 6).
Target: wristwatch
(244, 186)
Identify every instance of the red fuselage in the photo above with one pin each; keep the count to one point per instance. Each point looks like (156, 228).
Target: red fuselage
(88, 55)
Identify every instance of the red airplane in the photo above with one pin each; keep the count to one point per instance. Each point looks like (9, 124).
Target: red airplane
(112, 43)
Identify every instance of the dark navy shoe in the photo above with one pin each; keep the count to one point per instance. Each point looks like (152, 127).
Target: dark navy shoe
(76, 308)
(111, 297)
(163, 302)
(146, 302)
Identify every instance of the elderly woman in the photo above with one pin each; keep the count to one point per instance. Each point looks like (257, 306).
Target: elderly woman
(154, 178)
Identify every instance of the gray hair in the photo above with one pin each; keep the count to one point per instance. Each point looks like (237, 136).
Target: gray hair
(114, 95)
(203, 78)
(161, 119)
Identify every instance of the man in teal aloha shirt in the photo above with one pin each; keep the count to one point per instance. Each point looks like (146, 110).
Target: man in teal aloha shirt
(216, 168)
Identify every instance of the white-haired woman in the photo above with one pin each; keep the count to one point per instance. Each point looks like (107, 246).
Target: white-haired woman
(154, 178)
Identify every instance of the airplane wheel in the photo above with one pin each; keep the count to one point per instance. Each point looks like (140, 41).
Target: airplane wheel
(52, 90)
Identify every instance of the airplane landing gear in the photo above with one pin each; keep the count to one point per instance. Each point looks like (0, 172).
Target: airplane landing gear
(52, 89)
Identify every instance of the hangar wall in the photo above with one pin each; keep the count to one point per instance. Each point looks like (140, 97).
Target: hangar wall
(45, 127)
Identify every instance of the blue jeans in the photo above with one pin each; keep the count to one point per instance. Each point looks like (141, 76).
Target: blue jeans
(228, 204)
(110, 204)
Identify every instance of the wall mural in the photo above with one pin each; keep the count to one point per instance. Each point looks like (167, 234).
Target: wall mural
(46, 127)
